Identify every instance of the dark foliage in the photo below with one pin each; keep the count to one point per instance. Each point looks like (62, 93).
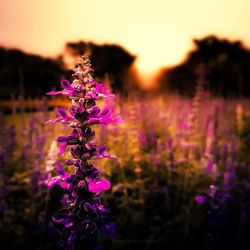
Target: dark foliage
(227, 64)
(26, 74)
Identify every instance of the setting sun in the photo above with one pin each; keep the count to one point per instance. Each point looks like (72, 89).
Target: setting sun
(151, 58)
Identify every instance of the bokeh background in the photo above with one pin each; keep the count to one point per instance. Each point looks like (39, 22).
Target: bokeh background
(180, 71)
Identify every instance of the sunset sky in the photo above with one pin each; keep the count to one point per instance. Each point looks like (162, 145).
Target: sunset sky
(159, 32)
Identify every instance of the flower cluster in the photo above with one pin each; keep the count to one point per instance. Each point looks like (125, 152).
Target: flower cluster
(84, 218)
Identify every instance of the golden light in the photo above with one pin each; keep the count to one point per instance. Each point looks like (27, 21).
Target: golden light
(155, 54)
(157, 51)
(159, 32)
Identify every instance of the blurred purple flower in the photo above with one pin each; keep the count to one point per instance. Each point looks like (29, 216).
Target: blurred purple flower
(200, 199)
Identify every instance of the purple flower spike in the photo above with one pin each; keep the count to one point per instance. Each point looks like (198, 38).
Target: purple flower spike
(84, 215)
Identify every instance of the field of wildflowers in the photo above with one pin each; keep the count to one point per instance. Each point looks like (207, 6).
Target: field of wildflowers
(176, 175)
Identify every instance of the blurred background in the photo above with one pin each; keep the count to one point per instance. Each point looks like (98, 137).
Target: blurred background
(181, 74)
(141, 46)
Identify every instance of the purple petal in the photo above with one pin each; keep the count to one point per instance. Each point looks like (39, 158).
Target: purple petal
(95, 110)
(200, 199)
(73, 109)
(107, 120)
(61, 171)
(62, 138)
(106, 155)
(54, 93)
(101, 149)
(70, 139)
(66, 84)
(94, 121)
(53, 120)
(69, 224)
(62, 148)
(61, 112)
(97, 185)
(54, 181)
(105, 112)
(56, 220)
(102, 208)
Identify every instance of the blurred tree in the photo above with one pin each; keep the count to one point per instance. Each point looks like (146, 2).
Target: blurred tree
(21, 73)
(33, 75)
(228, 64)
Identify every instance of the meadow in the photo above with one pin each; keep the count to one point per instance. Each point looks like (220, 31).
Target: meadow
(180, 179)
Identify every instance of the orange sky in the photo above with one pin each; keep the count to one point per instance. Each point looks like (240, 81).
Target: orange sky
(160, 32)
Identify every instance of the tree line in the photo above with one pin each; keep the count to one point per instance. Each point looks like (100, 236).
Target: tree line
(33, 75)
(227, 66)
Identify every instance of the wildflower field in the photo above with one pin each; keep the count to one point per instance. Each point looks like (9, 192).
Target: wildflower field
(173, 174)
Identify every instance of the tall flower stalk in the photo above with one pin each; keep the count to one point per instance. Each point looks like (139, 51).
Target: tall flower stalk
(84, 219)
